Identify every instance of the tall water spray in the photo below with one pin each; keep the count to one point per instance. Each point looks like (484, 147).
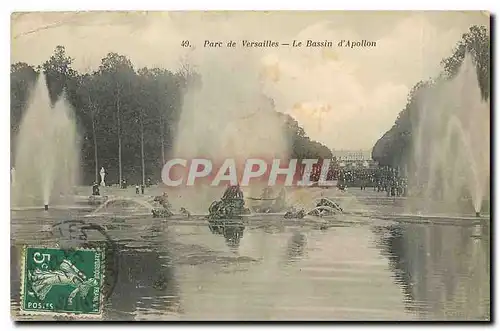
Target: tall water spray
(228, 116)
(47, 150)
(451, 143)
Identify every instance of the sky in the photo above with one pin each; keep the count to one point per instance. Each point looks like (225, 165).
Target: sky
(345, 98)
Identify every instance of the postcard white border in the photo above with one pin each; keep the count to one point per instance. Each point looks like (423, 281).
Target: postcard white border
(60, 5)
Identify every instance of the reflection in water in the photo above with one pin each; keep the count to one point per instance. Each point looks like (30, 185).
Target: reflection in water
(148, 277)
(231, 231)
(281, 271)
(442, 269)
(296, 246)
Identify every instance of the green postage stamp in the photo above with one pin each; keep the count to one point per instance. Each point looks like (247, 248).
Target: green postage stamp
(60, 281)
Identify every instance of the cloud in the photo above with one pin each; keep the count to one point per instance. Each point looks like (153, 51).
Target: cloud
(364, 89)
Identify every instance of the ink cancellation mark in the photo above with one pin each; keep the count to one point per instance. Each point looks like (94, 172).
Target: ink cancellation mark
(62, 282)
(75, 233)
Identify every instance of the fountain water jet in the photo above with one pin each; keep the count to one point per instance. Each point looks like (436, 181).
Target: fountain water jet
(47, 150)
(452, 141)
(227, 116)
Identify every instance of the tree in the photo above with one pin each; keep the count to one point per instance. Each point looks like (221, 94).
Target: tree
(88, 90)
(135, 112)
(476, 42)
(301, 146)
(117, 74)
(22, 79)
(146, 88)
(394, 147)
(59, 73)
(169, 92)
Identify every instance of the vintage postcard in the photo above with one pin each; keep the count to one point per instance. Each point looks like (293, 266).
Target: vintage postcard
(250, 166)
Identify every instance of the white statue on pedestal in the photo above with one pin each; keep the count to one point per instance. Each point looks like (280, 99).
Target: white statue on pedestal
(102, 173)
(12, 176)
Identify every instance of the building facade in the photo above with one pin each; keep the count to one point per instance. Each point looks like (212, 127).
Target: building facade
(354, 158)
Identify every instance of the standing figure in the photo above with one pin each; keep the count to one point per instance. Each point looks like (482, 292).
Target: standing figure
(95, 189)
(102, 173)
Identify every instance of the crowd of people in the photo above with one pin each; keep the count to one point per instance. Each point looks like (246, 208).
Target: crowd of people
(139, 188)
(392, 183)
(381, 179)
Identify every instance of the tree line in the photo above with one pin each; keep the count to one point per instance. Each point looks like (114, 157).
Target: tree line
(127, 117)
(394, 148)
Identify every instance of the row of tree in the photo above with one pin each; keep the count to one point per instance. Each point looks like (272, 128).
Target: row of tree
(394, 148)
(127, 118)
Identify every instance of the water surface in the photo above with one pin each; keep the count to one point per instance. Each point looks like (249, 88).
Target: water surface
(357, 267)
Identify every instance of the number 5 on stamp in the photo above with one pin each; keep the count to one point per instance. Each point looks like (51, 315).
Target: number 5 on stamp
(57, 281)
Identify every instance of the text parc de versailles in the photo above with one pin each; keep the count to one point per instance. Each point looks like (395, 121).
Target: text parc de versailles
(309, 43)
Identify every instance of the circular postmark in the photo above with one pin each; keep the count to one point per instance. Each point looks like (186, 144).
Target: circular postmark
(78, 234)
